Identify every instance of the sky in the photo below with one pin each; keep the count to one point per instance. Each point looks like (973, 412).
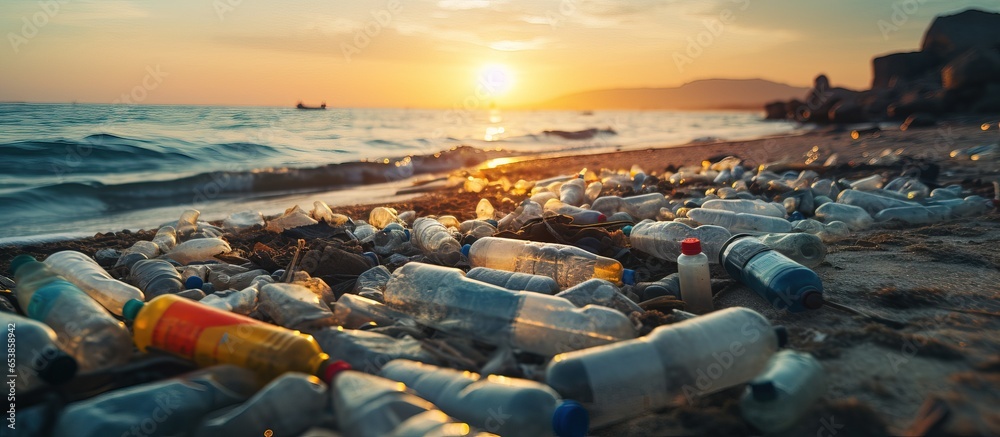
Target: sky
(435, 53)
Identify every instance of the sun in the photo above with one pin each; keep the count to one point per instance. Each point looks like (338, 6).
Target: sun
(496, 79)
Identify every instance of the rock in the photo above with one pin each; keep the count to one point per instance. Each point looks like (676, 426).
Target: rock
(951, 35)
(848, 112)
(775, 111)
(934, 102)
(895, 69)
(974, 67)
(989, 102)
(918, 120)
(107, 257)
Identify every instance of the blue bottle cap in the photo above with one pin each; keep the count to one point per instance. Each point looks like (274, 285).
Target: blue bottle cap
(627, 230)
(208, 288)
(495, 223)
(796, 216)
(570, 420)
(407, 233)
(465, 250)
(19, 261)
(628, 276)
(193, 282)
(131, 309)
(371, 257)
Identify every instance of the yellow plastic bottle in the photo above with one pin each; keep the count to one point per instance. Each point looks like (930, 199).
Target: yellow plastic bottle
(210, 336)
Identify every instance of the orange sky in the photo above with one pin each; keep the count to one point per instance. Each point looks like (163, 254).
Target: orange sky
(417, 53)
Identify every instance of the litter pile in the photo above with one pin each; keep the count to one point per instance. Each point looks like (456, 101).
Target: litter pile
(512, 323)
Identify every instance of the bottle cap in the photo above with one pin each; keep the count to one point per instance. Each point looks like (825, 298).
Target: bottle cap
(796, 216)
(208, 288)
(627, 230)
(763, 391)
(495, 223)
(465, 249)
(602, 218)
(570, 420)
(331, 370)
(193, 282)
(371, 257)
(406, 232)
(628, 276)
(691, 246)
(58, 368)
(812, 299)
(131, 309)
(19, 261)
(782, 333)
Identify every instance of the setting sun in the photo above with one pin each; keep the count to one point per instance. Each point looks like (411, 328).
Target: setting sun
(497, 79)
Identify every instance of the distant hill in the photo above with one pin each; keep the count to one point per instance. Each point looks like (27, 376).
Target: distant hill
(700, 94)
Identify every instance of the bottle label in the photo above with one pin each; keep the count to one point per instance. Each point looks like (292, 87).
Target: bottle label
(182, 325)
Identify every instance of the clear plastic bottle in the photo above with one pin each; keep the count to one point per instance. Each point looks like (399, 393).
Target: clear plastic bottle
(187, 224)
(602, 293)
(784, 283)
(353, 311)
(739, 222)
(526, 407)
(803, 248)
(434, 240)
(165, 238)
(915, 215)
(372, 280)
(642, 207)
(663, 239)
(239, 221)
(85, 273)
(580, 215)
(445, 299)
(84, 329)
(593, 191)
(478, 228)
(871, 203)
(827, 232)
(572, 192)
(682, 360)
(390, 239)
(139, 251)
(527, 211)
(163, 408)
(199, 249)
(372, 406)
(669, 285)
(777, 398)
(39, 360)
(695, 280)
(740, 206)
(869, 183)
(485, 210)
(210, 336)
(296, 306)
(381, 216)
(856, 218)
(240, 302)
(155, 277)
(514, 280)
(568, 265)
(287, 406)
(364, 230)
(825, 187)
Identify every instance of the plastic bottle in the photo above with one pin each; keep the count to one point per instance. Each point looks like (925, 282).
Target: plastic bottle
(155, 277)
(322, 213)
(85, 273)
(239, 221)
(871, 203)
(514, 280)
(390, 239)
(295, 306)
(856, 218)
(915, 215)
(869, 183)
(695, 280)
(372, 280)
(805, 249)
(825, 187)
(740, 206)
(84, 329)
(784, 283)
(646, 206)
(444, 298)
(449, 221)
(529, 408)
(682, 360)
(485, 210)
(210, 336)
(381, 216)
(139, 251)
(593, 191)
(188, 222)
(293, 217)
(287, 406)
(572, 192)
(828, 232)
(163, 408)
(199, 250)
(434, 240)
(353, 311)
(739, 222)
(777, 398)
(372, 406)
(478, 228)
(165, 238)
(667, 286)
(580, 215)
(600, 292)
(568, 265)
(663, 239)
(364, 230)
(240, 302)
(527, 211)
(38, 360)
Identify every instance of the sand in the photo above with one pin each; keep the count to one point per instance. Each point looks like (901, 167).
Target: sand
(930, 292)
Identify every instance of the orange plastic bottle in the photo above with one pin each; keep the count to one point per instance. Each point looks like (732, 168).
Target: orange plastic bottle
(210, 336)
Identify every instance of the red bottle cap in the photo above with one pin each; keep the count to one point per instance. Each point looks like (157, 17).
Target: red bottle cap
(691, 246)
(333, 369)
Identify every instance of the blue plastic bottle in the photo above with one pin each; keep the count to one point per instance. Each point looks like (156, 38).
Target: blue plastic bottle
(784, 283)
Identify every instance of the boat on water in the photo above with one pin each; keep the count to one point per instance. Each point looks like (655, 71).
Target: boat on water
(301, 106)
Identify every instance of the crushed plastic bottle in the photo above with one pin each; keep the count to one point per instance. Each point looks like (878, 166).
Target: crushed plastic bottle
(855, 217)
(803, 248)
(139, 251)
(84, 329)
(783, 283)
(642, 207)
(572, 192)
(209, 336)
(529, 408)
(364, 230)
(527, 211)
(353, 311)
(85, 273)
(514, 280)
(444, 298)
(580, 215)
(600, 292)
(682, 360)
(663, 239)
(777, 398)
(287, 406)
(739, 222)
(478, 228)
(568, 265)
(390, 239)
(294, 306)
(693, 275)
(372, 282)
(199, 250)
(755, 207)
(237, 301)
(39, 360)
(485, 210)
(155, 277)
(434, 240)
(380, 217)
(669, 285)
(293, 217)
(915, 215)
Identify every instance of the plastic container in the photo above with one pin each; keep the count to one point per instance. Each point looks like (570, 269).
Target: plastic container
(827, 232)
(239, 221)
(694, 277)
(667, 286)
(683, 360)
(514, 280)
(372, 280)
(381, 216)
(580, 216)
(199, 250)
(38, 360)
(646, 206)
(663, 239)
(869, 183)
(871, 203)
(293, 217)
(390, 239)
(171, 407)
(527, 211)
(236, 301)
(600, 292)
(855, 217)
(434, 240)
(445, 299)
(478, 228)
(85, 273)
(784, 283)
(288, 406)
(209, 336)
(915, 215)
(777, 398)
(84, 329)
(139, 251)
(364, 230)
(485, 210)
(572, 192)
(593, 191)
(525, 407)
(353, 311)
(568, 265)
(165, 238)
(187, 224)
(295, 306)
(825, 187)
(803, 248)
(756, 207)
(739, 222)
(155, 277)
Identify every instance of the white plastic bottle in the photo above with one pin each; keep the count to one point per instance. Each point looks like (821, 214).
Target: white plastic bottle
(682, 360)
(663, 239)
(529, 408)
(434, 240)
(85, 273)
(199, 249)
(695, 280)
(568, 265)
(445, 299)
(777, 398)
